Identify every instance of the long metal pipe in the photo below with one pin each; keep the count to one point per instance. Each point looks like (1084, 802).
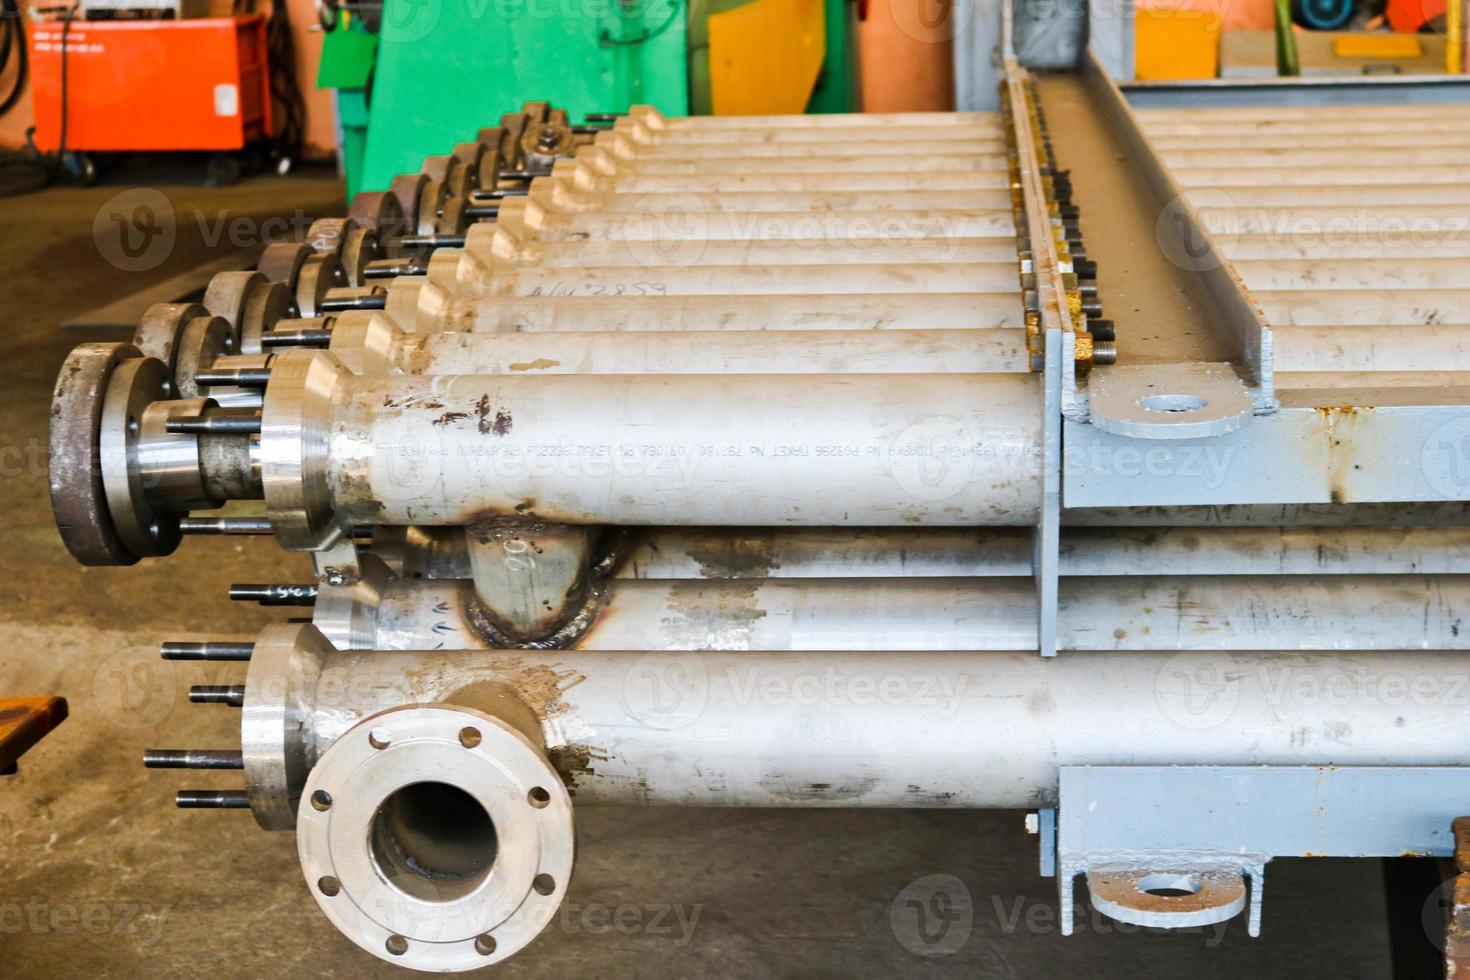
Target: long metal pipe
(533, 252)
(879, 121)
(1240, 612)
(379, 348)
(338, 450)
(864, 729)
(1428, 272)
(420, 305)
(693, 222)
(741, 280)
(1086, 552)
(1357, 307)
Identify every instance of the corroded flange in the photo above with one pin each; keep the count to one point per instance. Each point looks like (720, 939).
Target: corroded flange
(77, 497)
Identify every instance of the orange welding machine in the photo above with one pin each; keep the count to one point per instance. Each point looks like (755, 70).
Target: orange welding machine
(191, 84)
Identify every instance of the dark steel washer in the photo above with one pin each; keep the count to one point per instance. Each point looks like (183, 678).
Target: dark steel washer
(77, 498)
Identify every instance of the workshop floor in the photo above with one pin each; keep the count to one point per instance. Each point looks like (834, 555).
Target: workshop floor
(101, 876)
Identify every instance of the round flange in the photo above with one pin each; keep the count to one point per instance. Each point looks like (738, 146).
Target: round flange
(205, 340)
(78, 500)
(359, 248)
(162, 327)
(227, 295)
(431, 199)
(470, 156)
(134, 385)
(437, 167)
(267, 305)
(436, 838)
(327, 234)
(282, 261)
(319, 274)
(452, 220)
(380, 213)
(407, 188)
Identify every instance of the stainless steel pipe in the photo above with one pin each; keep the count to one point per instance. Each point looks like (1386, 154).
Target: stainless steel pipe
(862, 729)
(339, 450)
(1146, 613)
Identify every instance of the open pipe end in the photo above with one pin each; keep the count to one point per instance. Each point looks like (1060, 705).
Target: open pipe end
(438, 838)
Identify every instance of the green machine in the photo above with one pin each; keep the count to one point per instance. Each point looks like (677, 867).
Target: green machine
(414, 76)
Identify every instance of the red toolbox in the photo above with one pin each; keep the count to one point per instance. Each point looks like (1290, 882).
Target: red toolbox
(200, 84)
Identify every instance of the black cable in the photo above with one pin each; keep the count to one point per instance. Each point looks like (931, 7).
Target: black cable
(66, 20)
(285, 92)
(13, 41)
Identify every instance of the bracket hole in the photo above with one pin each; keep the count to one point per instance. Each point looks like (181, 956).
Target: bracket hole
(379, 738)
(397, 945)
(538, 797)
(1169, 885)
(469, 737)
(485, 944)
(328, 885)
(321, 800)
(544, 884)
(1172, 403)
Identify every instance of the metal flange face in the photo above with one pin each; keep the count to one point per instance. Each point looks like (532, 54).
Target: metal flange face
(267, 305)
(162, 327)
(205, 340)
(135, 384)
(77, 497)
(327, 234)
(319, 274)
(470, 157)
(359, 248)
(282, 261)
(379, 212)
(452, 220)
(437, 167)
(432, 196)
(407, 188)
(436, 838)
(227, 294)
(459, 180)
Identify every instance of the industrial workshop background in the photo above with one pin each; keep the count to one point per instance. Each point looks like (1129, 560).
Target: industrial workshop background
(850, 488)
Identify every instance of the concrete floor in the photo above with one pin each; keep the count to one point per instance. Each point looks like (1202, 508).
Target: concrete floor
(101, 876)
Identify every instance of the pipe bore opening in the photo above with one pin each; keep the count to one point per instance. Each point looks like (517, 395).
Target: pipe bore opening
(433, 841)
(1169, 885)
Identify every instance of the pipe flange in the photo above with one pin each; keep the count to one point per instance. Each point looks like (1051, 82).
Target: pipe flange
(282, 261)
(432, 196)
(436, 838)
(380, 213)
(452, 220)
(162, 328)
(319, 274)
(470, 156)
(294, 454)
(227, 295)
(78, 500)
(135, 384)
(264, 308)
(328, 234)
(359, 248)
(204, 341)
(407, 188)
